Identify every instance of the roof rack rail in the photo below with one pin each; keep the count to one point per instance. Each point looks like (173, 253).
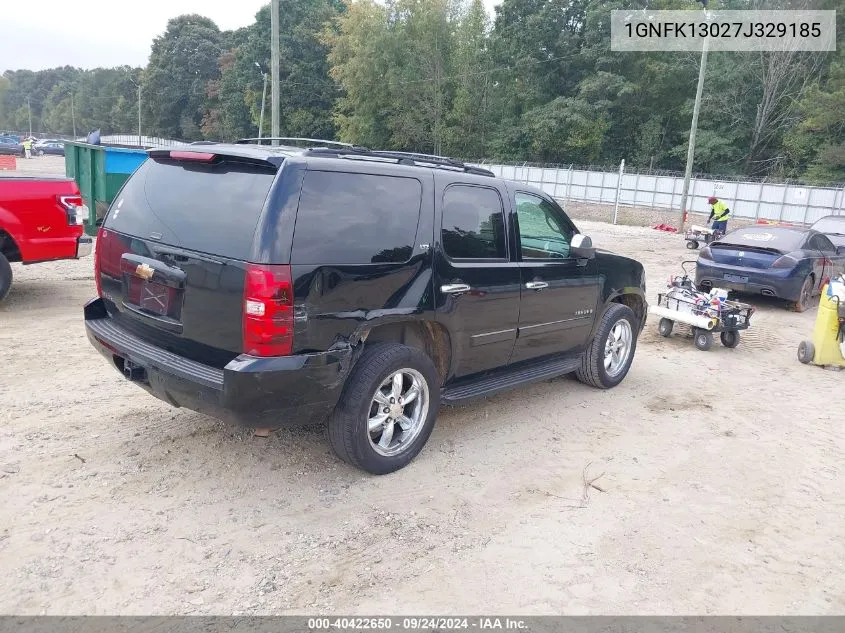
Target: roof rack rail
(402, 158)
(244, 141)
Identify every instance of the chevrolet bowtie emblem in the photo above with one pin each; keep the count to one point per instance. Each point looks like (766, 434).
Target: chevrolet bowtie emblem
(145, 272)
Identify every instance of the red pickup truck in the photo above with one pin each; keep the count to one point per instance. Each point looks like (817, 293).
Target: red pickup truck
(40, 220)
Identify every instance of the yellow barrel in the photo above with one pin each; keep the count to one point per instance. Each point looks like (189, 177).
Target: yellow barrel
(825, 332)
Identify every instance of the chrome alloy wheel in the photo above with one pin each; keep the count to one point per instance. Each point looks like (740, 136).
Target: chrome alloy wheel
(398, 411)
(617, 349)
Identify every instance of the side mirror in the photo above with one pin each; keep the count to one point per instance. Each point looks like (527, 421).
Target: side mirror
(582, 247)
(840, 250)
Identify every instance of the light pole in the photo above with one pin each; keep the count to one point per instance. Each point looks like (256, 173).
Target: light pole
(263, 99)
(72, 116)
(138, 85)
(274, 66)
(694, 126)
(29, 108)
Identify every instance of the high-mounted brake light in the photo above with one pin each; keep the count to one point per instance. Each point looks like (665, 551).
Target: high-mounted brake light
(268, 310)
(200, 157)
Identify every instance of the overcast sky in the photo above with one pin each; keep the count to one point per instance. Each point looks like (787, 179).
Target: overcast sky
(90, 33)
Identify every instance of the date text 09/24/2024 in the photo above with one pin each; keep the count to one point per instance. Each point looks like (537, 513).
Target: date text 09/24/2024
(415, 624)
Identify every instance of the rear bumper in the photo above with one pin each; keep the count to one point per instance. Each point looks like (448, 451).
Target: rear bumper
(84, 245)
(772, 283)
(249, 391)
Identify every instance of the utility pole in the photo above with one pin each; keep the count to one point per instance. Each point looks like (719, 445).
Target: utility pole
(72, 116)
(29, 108)
(263, 99)
(139, 114)
(137, 84)
(694, 128)
(274, 70)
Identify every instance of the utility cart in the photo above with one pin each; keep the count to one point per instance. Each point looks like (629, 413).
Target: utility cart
(706, 313)
(695, 235)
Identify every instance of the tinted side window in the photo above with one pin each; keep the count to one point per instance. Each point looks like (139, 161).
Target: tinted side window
(821, 243)
(356, 219)
(208, 208)
(473, 223)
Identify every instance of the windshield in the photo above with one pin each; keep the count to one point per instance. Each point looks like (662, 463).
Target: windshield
(832, 226)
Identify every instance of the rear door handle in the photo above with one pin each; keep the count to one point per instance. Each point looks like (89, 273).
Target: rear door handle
(454, 289)
(536, 285)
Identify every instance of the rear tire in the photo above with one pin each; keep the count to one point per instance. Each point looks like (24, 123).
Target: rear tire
(805, 298)
(594, 369)
(692, 245)
(703, 339)
(5, 276)
(665, 327)
(358, 411)
(806, 352)
(730, 339)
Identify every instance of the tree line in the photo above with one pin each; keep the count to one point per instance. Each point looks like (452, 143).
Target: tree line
(537, 82)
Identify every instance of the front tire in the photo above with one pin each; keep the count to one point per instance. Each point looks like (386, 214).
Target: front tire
(692, 245)
(387, 410)
(665, 327)
(5, 276)
(730, 339)
(607, 359)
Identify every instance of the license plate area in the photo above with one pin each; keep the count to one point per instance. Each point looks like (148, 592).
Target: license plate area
(152, 298)
(155, 298)
(736, 279)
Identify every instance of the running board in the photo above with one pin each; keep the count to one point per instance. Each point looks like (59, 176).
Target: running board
(509, 378)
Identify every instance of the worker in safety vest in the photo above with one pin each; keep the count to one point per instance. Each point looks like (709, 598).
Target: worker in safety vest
(719, 213)
(27, 147)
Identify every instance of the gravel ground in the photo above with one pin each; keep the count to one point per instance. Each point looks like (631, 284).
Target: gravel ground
(721, 485)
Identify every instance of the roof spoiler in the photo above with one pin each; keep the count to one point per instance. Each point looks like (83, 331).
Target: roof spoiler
(210, 154)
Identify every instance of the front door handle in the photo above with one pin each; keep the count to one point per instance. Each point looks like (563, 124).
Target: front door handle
(454, 289)
(536, 285)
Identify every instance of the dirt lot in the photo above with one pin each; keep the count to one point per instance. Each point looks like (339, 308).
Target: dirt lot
(722, 486)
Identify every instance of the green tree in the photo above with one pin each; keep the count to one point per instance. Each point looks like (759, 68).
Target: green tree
(817, 144)
(182, 62)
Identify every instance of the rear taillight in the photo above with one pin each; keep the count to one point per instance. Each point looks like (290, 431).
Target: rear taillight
(75, 208)
(268, 310)
(100, 246)
(787, 261)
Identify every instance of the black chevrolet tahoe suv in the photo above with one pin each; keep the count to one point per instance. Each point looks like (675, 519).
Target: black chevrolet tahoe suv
(274, 284)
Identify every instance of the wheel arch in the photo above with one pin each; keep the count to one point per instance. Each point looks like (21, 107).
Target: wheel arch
(634, 299)
(430, 337)
(9, 247)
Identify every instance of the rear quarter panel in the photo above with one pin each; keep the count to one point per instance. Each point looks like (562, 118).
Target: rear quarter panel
(336, 304)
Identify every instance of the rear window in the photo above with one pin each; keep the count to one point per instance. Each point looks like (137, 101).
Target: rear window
(356, 219)
(783, 240)
(207, 208)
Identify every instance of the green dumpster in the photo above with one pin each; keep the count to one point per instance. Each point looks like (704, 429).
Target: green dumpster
(99, 172)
